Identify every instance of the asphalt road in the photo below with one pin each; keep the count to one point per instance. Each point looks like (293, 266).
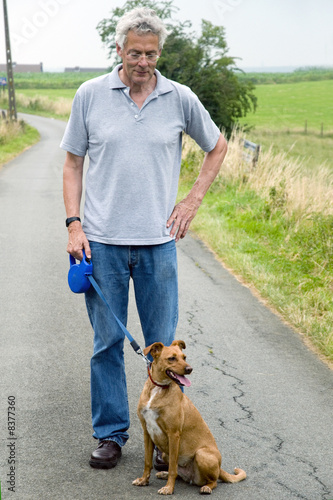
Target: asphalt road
(265, 396)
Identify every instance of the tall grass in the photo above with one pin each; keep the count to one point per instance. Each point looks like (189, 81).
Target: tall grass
(273, 225)
(42, 105)
(10, 130)
(299, 191)
(276, 177)
(60, 107)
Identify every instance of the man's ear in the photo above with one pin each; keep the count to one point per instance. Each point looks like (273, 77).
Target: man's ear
(154, 349)
(181, 344)
(119, 50)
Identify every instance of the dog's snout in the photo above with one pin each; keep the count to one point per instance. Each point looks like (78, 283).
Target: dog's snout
(188, 370)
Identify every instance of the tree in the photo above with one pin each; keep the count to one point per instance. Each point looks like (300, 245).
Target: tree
(200, 62)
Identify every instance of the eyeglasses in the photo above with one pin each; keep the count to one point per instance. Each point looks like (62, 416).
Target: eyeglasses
(136, 57)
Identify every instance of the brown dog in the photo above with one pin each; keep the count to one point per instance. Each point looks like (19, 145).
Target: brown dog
(171, 422)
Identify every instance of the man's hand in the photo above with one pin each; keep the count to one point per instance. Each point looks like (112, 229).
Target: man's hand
(182, 216)
(77, 241)
(183, 213)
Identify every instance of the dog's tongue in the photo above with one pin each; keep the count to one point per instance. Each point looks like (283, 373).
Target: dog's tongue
(183, 380)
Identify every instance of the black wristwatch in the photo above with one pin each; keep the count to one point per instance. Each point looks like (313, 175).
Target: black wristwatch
(72, 219)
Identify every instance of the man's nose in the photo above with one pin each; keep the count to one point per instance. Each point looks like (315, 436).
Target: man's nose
(143, 61)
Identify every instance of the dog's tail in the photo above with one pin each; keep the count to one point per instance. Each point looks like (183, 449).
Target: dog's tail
(239, 475)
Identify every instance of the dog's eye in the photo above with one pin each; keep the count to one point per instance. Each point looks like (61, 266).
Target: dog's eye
(172, 358)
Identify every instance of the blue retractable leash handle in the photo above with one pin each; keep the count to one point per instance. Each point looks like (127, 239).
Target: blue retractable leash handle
(79, 280)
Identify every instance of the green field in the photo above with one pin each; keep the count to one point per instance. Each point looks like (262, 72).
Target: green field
(279, 121)
(288, 106)
(50, 80)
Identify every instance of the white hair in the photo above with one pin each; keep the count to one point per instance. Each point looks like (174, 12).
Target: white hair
(142, 20)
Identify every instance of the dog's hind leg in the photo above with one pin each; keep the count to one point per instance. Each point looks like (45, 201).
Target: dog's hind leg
(208, 488)
(162, 475)
(206, 470)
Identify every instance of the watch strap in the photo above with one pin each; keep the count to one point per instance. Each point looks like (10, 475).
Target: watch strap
(72, 219)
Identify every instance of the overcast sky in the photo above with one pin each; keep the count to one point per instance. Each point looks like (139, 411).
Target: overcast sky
(262, 33)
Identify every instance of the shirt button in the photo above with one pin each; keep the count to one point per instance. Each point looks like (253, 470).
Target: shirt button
(136, 116)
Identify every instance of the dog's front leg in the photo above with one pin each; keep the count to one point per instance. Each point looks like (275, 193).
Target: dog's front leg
(174, 440)
(149, 451)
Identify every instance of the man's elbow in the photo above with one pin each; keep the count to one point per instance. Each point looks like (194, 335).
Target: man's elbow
(222, 146)
(219, 151)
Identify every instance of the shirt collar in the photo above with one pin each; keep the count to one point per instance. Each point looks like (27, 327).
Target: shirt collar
(163, 85)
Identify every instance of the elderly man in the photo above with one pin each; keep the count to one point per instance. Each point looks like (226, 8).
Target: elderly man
(130, 123)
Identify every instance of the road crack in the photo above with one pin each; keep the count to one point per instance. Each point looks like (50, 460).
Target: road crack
(271, 446)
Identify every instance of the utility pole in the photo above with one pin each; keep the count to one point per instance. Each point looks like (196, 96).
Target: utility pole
(11, 89)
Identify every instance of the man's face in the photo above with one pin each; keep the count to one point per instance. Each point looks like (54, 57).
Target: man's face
(139, 72)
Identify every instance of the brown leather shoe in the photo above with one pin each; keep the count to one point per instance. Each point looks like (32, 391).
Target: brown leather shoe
(159, 463)
(106, 455)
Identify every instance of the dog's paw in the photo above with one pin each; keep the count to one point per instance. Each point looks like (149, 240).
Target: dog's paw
(162, 475)
(166, 491)
(205, 490)
(141, 481)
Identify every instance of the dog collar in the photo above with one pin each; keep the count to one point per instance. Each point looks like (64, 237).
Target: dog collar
(155, 383)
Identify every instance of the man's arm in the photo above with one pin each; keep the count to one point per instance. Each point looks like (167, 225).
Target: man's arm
(72, 189)
(185, 211)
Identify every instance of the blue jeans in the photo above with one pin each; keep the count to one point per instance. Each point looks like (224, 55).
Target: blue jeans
(155, 278)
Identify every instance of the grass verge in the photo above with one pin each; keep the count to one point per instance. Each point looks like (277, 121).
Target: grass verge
(273, 226)
(15, 137)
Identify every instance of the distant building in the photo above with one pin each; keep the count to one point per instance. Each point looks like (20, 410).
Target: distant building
(23, 68)
(78, 69)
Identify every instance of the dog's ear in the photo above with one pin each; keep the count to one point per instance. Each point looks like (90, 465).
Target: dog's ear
(154, 349)
(181, 344)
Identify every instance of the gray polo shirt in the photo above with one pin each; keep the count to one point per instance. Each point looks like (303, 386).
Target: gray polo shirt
(134, 155)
